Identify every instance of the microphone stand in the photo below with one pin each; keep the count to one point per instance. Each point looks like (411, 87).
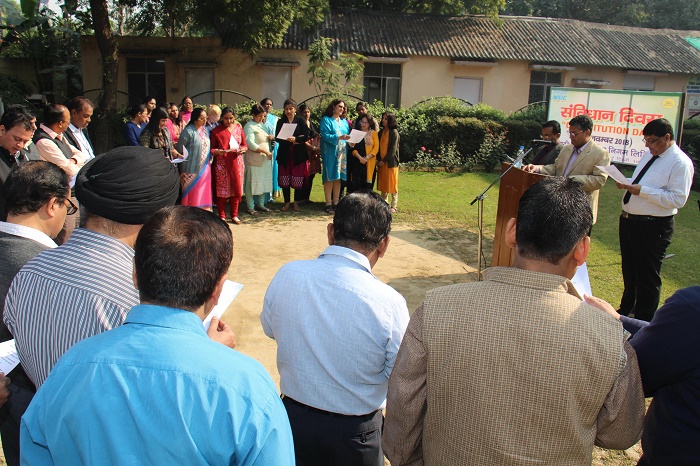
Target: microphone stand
(480, 198)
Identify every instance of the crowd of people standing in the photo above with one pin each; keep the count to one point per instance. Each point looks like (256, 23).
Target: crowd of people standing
(107, 320)
(221, 161)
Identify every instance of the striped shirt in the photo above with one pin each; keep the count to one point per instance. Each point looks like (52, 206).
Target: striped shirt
(67, 294)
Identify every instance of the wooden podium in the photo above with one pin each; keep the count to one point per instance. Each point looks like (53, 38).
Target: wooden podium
(513, 185)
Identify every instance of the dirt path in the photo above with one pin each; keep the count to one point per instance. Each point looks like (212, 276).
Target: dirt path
(418, 259)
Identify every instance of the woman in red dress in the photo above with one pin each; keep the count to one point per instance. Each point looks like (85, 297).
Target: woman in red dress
(227, 145)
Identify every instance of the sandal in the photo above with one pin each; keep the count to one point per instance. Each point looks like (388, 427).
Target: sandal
(252, 212)
(285, 208)
(393, 210)
(296, 207)
(329, 209)
(236, 221)
(262, 208)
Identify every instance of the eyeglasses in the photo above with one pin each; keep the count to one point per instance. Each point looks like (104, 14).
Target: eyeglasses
(649, 142)
(70, 207)
(574, 134)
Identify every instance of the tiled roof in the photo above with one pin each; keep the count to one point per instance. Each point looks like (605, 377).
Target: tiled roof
(538, 40)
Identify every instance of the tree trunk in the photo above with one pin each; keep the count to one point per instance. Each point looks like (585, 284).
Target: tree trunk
(107, 101)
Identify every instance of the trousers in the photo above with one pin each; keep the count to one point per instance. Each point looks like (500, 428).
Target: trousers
(322, 438)
(643, 246)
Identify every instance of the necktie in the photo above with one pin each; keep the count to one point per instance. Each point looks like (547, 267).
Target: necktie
(628, 195)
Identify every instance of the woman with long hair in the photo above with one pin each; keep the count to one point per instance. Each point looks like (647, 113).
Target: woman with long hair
(258, 162)
(313, 151)
(195, 173)
(156, 136)
(292, 159)
(363, 156)
(388, 159)
(334, 132)
(228, 145)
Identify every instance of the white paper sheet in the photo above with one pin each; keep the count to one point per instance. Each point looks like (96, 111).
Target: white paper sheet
(233, 145)
(581, 281)
(287, 131)
(185, 154)
(356, 136)
(230, 291)
(9, 359)
(614, 173)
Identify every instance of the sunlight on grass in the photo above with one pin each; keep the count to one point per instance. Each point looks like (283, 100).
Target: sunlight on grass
(442, 199)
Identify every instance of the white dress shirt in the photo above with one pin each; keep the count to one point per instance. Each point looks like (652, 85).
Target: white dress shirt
(85, 146)
(665, 186)
(27, 232)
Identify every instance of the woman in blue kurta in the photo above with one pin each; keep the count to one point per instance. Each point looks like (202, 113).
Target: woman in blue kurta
(271, 124)
(334, 132)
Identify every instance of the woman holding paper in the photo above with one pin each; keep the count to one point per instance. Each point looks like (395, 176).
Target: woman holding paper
(292, 159)
(334, 132)
(258, 162)
(195, 173)
(227, 146)
(388, 159)
(363, 155)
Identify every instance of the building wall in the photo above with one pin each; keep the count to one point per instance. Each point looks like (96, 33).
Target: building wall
(19, 68)
(504, 86)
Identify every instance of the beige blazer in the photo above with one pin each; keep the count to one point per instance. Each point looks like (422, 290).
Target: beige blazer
(583, 170)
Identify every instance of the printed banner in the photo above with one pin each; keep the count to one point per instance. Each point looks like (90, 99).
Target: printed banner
(618, 117)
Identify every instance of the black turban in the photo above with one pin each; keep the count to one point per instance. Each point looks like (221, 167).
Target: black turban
(127, 184)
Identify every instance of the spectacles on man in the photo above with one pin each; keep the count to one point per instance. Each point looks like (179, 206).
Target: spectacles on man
(649, 142)
(574, 134)
(70, 207)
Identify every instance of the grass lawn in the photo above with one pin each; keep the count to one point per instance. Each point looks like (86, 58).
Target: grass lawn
(442, 201)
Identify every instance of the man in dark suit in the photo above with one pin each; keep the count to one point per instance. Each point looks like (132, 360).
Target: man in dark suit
(548, 153)
(80, 110)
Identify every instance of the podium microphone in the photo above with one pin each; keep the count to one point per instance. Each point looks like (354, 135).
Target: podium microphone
(543, 141)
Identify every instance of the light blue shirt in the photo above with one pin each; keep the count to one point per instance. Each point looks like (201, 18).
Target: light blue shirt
(156, 391)
(338, 330)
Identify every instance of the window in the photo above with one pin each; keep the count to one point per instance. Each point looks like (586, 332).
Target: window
(468, 89)
(199, 80)
(638, 82)
(540, 84)
(382, 82)
(276, 84)
(146, 76)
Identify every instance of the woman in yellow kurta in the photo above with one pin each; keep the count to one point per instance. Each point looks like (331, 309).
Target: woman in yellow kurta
(388, 159)
(364, 154)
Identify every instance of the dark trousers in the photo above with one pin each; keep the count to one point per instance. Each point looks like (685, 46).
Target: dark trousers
(643, 246)
(298, 194)
(306, 190)
(10, 416)
(321, 439)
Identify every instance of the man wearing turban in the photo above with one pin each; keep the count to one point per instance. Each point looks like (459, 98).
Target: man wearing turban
(85, 286)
